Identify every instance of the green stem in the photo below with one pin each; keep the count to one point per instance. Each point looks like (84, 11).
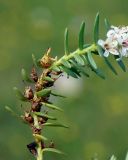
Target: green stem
(39, 152)
(38, 141)
(93, 47)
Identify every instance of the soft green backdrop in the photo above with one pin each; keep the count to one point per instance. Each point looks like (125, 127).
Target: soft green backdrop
(98, 115)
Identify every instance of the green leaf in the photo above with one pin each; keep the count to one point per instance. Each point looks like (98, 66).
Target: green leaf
(91, 60)
(86, 45)
(107, 25)
(25, 76)
(126, 158)
(66, 47)
(19, 94)
(55, 68)
(113, 157)
(57, 95)
(53, 150)
(100, 51)
(81, 36)
(75, 70)
(96, 29)
(110, 66)
(99, 73)
(40, 137)
(120, 63)
(52, 106)
(13, 113)
(44, 115)
(66, 63)
(68, 71)
(47, 78)
(84, 59)
(34, 60)
(43, 93)
(79, 59)
(80, 69)
(55, 125)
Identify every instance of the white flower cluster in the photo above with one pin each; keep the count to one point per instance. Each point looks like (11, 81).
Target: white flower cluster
(116, 42)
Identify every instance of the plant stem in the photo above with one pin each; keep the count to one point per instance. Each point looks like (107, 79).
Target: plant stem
(93, 47)
(39, 152)
(38, 141)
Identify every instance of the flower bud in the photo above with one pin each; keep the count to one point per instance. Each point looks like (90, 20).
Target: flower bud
(34, 75)
(28, 118)
(28, 93)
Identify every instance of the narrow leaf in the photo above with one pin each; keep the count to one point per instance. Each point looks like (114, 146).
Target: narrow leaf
(79, 59)
(107, 24)
(55, 68)
(86, 45)
(75, 70)
(91, 60)
(52, 150)
(96, 29)
(40, 137)
(66, 63)
(19, 94)
(13, 113)
(57, 95)
(47, 78)
(110, 66)
(44, 115)
(113, 157)
(34, 60)
(81, 36)
(25, 76)
(120, 63)
(126, 158)
(55, 125)
(100, 51)
(52, 107)
(80, 69)
(66, 47)
(99, 73)
(43, 93)
(68, 71)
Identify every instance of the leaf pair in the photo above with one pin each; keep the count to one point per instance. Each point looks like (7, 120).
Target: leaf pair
(81, 39)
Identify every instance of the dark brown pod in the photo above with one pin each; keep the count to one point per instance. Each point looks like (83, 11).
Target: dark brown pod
(34, 75)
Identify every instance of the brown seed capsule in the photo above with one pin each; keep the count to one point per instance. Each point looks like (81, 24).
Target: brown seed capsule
(42, 119)
(34, 75)
(48, 84)
(36, 105)
(32, 148)
(38, 86)
(46, 61)
(28, 117)
(36, 130)
(28, 93)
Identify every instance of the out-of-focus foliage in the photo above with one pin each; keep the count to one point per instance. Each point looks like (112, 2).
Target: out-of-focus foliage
(97, 114)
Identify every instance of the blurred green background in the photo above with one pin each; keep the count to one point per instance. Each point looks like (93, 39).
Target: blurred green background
(98, 112)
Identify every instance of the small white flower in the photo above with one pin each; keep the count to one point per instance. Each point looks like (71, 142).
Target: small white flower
(110, 46)
(116, 42)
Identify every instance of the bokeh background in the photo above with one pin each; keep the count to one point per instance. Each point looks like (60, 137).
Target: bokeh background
(96, 110)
